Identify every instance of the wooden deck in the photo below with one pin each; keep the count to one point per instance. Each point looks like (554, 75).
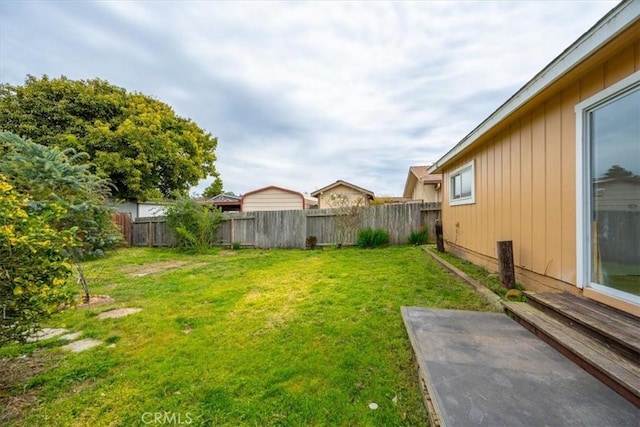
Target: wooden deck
(601, 340)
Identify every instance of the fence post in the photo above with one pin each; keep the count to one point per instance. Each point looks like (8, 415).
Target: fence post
(232, 237)
(439, 238)
(505, 262)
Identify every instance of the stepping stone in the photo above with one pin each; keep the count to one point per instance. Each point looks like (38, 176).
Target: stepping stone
(119, 312)
(81, 345)
(72, 336)
(45, 334)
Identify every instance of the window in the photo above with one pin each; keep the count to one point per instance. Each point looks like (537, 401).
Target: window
(462, 185)
(608, 179)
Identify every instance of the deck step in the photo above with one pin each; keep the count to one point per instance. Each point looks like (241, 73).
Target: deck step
(597, 358)
(619, 331)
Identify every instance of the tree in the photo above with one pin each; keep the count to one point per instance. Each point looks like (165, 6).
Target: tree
(348, 214)
(61, 180)
(617, 171)
(214, 189)
(139, 143)
(33, 263)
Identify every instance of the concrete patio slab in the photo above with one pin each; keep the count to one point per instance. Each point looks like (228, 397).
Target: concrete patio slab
(485, 369)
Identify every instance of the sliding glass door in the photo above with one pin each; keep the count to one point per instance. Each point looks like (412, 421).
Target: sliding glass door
(612, 168)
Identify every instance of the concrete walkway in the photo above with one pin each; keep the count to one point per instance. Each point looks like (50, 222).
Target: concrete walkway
(485, 369)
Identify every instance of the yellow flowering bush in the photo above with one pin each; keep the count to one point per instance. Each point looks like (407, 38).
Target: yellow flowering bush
(33, 265)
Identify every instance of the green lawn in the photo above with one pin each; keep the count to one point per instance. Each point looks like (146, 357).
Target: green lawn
(250, 337)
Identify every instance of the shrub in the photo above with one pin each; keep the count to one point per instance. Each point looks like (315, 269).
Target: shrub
(418, 238)
(312, 242)
(194, 225)
(34, 267)
(370, 238)
(63, 179)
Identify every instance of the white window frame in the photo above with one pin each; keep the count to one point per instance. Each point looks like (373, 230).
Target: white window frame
(583, 185)
(463, 200)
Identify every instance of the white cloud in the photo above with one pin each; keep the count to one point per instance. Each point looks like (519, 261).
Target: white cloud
(301, 94)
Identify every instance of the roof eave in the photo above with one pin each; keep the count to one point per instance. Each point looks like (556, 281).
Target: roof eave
(614, 22)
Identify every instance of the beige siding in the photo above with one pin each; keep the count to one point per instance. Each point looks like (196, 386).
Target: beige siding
(525, 187)
(426, 192)
(271, 199)
(324, 199)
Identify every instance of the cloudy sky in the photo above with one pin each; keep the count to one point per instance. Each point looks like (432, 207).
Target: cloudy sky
(301, 94)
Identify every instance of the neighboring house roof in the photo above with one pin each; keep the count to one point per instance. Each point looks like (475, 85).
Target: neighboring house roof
(419, 174)
(224, 198)
(339, 182)
(620, 179)
(616, 21)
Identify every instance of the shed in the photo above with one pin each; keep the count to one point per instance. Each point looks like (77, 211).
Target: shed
(273, 198)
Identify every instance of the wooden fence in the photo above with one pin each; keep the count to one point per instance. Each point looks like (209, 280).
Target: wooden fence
(152, 231)
(122, 220)
(290, 229)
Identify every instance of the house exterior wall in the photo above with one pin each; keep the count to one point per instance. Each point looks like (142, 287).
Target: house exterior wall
(525, 175)
(128, 207)
(354, 196)
(426, 192)
(272, 199)
(151, 210)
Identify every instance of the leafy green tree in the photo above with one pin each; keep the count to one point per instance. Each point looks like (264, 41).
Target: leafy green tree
(138, 142)
(194, 225)
(214, 189)
(617, 171)
(33, 263)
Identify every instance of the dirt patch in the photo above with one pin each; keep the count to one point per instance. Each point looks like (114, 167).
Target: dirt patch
(120, 312)
(16, 371)
(95, 300)
(157, 267)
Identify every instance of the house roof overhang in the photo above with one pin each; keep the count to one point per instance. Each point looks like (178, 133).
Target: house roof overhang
(419, 174)
(620, 18)
(410, 184)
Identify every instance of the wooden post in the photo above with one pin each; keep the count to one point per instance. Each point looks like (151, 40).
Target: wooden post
(505, 262)
(232, 234)
(150, 231)
(439, 238)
